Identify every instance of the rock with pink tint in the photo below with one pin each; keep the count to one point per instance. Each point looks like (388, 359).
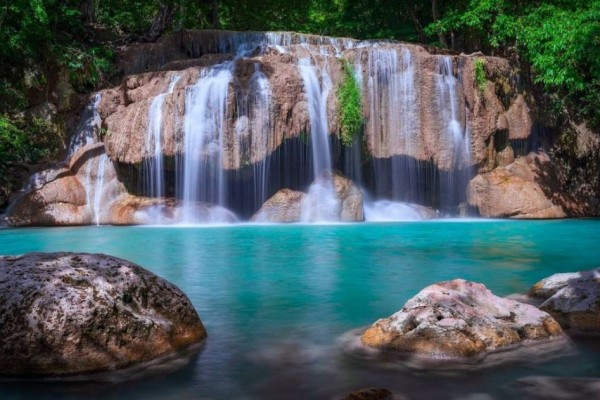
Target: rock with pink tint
(460, 320)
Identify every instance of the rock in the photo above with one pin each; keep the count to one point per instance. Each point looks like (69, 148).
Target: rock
(134, 210)
(64, 314)
(330, 198)
(65, 195)
(573, 299)
(350, 197)
(460, 320)
(553, 388)
(548, 287)
(525, 188)
(283, 206)
(519, 119)
(370, 394)
(385, 210)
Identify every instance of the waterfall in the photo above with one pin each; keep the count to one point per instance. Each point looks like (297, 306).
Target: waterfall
(321, 203)
(204, 128)
(153, 167)
(259, 107)
(455, 136)
(394, 121)
(87, 131)
(93, 185)
(99, 186)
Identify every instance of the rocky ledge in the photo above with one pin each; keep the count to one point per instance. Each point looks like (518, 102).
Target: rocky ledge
(460, 320)
(573, 299)
(64, 314)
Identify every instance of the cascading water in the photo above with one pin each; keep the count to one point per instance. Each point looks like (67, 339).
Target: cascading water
(153, 167)
(93, 185)
(258, 103)
(455, 137)
(88, 129)
(394, 121)
(321, 203)
(204, 126)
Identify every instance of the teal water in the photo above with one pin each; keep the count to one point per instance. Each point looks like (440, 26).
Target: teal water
(277, 299)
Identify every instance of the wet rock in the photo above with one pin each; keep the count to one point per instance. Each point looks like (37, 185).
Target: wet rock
(283, 206)
(573, 299)
(135, 210)
(350, 197)
(65, 195)
(522, 189)
(552, 388)
(64, 314)
(460, 320)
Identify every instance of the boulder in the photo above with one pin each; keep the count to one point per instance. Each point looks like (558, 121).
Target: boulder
(350, 197)
(283, 206)
(65, 314)
(136, 210)
(573, 299)
(522, 189)
(460, 320)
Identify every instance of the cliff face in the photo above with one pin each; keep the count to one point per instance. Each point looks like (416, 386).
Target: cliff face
(230, 118)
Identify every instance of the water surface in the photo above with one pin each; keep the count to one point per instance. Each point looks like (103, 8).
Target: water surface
(276, 299)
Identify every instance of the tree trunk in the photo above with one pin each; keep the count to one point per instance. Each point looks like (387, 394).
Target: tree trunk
(216, 23)
(89, 11)
(162, 20)
(436, 17)
(416, 23)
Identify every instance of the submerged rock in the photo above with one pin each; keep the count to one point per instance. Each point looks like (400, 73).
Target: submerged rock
(460, 320)
(573, 299)
(553, 388)
(370, 394)
(283, 206)
(134, 210)
(64, 314)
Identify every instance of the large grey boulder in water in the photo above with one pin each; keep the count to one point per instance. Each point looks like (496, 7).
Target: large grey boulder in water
(573, 299)
(65, 314)
(460, 320)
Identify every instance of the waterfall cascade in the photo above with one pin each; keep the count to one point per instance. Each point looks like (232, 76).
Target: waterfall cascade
(87, 131)
(154, 167)
(249, 114)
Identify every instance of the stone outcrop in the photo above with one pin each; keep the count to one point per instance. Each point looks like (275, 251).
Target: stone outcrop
(65, 194)
(65, 314)
(149, 68)
(330, 198)
(350, 197)
(573, 299)
(526, 188)
(460, 320)
(133, 210)
(283, 206)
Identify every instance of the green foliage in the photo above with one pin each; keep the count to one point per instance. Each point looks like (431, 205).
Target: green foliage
(559, 38)
(480, 77)
(27, 140)
(350, 106)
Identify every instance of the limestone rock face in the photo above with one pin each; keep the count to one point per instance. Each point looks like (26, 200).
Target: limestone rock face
(522, 189)
(69, 193)
(459, 320)
(573, 299)
(283, 206)
(64, 314)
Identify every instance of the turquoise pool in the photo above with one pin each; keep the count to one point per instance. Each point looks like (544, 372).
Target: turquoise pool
(276, 299)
